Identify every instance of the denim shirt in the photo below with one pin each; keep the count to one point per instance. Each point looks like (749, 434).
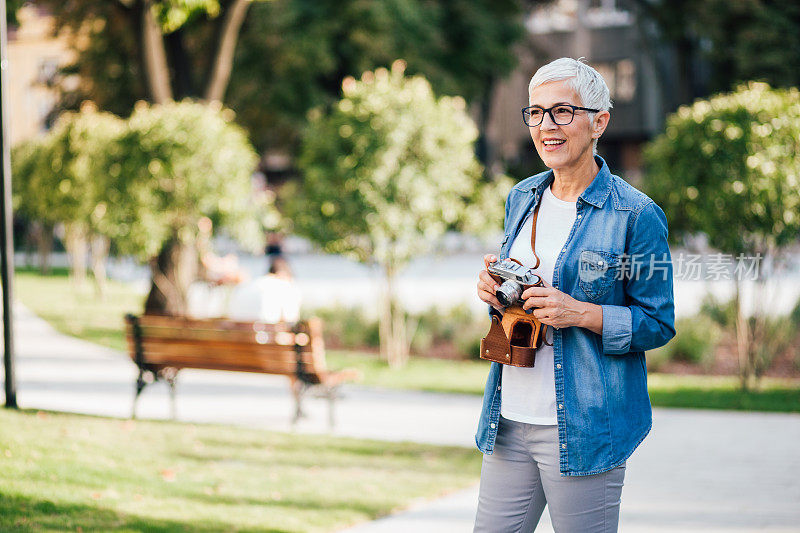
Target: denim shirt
(616, 256)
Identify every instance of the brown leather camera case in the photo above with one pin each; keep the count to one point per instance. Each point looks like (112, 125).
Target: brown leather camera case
(514, 339)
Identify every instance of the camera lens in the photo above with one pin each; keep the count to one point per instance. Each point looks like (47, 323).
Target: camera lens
(509, 292)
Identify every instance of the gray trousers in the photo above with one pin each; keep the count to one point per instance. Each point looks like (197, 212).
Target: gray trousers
(522, 475)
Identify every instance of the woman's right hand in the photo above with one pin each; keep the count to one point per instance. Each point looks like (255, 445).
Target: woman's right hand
(487, 285)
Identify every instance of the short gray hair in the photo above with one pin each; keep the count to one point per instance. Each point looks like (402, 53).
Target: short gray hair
(586, 81)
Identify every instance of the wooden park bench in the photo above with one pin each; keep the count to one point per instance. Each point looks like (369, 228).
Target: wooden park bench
(161, 346)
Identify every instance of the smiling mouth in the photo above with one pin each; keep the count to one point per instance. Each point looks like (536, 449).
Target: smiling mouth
(554, 142)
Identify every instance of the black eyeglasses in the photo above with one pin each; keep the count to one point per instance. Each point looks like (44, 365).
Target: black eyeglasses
(561, 114)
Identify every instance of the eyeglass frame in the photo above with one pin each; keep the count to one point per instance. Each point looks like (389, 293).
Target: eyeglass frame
(549, 111)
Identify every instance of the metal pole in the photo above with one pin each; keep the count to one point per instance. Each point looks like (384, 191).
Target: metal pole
(6, 235)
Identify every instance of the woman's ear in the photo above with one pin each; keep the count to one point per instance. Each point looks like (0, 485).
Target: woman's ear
(600, 123)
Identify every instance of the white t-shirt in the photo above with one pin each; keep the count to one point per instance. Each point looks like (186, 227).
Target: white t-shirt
(267, 299)
(529, 394)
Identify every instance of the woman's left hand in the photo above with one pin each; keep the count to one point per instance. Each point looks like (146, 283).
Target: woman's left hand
(560, 310)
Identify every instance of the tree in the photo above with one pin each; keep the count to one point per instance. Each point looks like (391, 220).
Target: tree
(291, 55)
(74, 186)
(720, 44)
(157, 50)
(27, 167)
(295, 53)
(751, 40)
(61, 178)
(386, 173)
(727, 167)
(177, 163)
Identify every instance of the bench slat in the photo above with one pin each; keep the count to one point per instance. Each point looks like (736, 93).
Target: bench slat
(223, 351)
(209, 335)
(212, 323)
(222, 346)
(251, 365)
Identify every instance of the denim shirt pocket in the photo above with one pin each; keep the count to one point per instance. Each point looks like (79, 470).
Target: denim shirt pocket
(597, 272)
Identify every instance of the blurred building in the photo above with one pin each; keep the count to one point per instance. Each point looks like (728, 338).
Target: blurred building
(612, 40)
(34, 57)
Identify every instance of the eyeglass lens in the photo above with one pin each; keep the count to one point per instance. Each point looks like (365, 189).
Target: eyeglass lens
(561, 115)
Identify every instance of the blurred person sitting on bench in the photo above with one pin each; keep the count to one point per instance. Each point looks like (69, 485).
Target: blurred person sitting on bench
(271, 298)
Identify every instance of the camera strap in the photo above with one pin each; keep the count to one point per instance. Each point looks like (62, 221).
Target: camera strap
(533, 233)
(533, 249)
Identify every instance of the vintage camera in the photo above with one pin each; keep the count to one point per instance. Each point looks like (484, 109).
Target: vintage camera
(514, 278)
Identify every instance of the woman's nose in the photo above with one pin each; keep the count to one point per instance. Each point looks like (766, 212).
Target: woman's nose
(548, 123)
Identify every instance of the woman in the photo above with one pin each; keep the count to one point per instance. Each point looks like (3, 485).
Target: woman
(559, 433)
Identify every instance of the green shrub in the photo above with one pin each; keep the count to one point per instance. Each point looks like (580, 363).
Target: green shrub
(348, 327)
(694, 342)
(458, 326)
(723, 313)
(772, 335)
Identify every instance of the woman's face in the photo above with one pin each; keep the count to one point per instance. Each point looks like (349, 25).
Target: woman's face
(562, 147)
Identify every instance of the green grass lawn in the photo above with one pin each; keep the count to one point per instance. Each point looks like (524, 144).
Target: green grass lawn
(666, 390)
(82, 314)
(78, 311)
(79, 473)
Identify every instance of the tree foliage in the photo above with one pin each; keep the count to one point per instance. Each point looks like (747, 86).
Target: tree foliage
(143, 184)
(720, 44)
(62, 178)
(292, 54)
(387, 171)
(175, 164)
(728, 167)
(385, 174)
(156, 50)
(295, 53)
(74, 178)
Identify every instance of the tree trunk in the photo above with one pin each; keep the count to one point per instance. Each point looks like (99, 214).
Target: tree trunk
(385, 319)
(744, 344)
(183, 80)
(172, 271)
(223, 55)
(486, 148)
(393, 327)
(42, 234)
(75, 242)
(99, 246)
(155, 56)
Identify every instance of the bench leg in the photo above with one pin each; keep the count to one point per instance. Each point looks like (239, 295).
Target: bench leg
(331, 393)
(298, 391)
(140, 385)
(172, 406)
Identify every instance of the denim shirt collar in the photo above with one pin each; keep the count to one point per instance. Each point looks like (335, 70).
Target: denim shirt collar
(595, 194)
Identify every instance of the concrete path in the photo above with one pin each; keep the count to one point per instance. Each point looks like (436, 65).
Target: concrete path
(698, 471)
(707, 471)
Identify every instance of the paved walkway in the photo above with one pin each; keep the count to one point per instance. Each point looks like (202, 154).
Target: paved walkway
(704, 471)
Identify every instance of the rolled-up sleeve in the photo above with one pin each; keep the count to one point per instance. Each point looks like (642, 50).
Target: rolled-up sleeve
(647, 321)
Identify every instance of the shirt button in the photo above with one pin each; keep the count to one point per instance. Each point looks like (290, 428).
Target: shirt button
(498, 387)
(579, 216)
(492, 425)
(564, 251)
(563, 446)
(558, 365)
(561, 406)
